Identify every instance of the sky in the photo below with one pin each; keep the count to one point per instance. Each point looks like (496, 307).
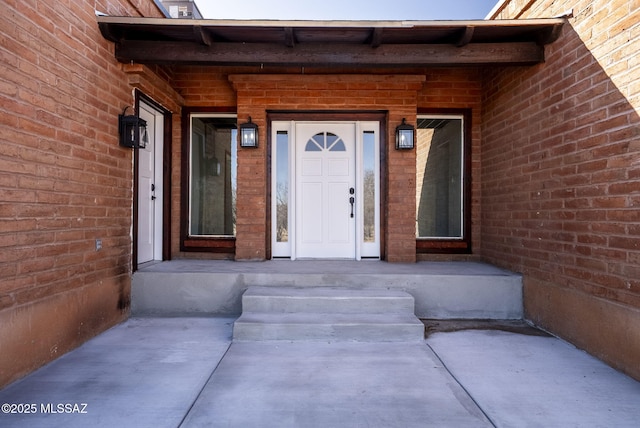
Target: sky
(346, 9)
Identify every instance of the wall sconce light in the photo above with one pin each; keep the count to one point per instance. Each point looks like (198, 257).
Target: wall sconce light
(249, 134)
(405, 136)
(133, 131)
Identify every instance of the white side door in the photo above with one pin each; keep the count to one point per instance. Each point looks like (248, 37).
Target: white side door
(149, 239)
(325, 190)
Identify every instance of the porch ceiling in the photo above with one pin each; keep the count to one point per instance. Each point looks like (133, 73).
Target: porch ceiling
(329, 43)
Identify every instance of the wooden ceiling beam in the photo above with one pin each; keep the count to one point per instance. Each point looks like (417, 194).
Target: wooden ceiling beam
(386, 55)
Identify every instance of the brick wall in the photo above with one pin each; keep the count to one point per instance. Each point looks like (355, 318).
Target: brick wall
(64, 181)
(442, 88)
(561, 176)
(396, 93)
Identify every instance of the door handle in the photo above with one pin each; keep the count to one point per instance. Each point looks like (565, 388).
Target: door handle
(352, 199)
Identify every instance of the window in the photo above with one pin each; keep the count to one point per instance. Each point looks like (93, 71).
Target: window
(440, 176)
(369, 191)
(212, 176)
(282, 186)
(325, 141)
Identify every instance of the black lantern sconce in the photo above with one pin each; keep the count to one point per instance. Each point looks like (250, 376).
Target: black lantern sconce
(249, 134)
(133, 131)
(405, 136)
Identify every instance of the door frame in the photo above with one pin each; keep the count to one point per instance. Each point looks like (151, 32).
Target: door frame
(330, 116)
(163, 230)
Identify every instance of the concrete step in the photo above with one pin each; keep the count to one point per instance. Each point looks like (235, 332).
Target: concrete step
(333, 327)
(326, 300)
(327, 313)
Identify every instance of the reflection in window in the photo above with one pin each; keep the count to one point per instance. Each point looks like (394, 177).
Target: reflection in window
(212, 196)
(369, 186)
(439, 189)
(282, 186)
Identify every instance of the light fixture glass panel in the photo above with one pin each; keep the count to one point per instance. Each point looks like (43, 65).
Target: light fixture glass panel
(405, 138)
(248, 137)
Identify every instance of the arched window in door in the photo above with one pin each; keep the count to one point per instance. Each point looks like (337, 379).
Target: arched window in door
(325, 141)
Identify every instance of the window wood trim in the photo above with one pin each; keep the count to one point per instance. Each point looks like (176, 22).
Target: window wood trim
(446, 245)
(202, 244)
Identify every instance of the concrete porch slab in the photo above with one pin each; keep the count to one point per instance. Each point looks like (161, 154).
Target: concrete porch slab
(145, 372)
(535, 381)
(185, 372)
(442, 290)
(333, 385)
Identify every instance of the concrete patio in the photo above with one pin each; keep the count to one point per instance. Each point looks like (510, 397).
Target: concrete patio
(187, 372)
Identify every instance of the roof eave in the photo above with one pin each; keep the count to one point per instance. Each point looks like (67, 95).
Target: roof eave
(330, 43)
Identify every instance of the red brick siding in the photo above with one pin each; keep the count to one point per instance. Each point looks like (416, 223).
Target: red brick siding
(560, 170)
(256, 94)
(64, 181)
(203, 86)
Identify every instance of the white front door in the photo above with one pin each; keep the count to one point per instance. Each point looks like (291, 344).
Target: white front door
(149, 239)
(325, 187)
(325, 183)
